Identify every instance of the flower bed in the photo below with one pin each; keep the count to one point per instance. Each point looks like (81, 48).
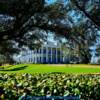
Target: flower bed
(54, 84)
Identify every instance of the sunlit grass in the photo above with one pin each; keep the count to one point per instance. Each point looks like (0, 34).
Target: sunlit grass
(47, 68)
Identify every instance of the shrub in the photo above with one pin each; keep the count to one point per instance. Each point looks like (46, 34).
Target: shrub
(56, 84)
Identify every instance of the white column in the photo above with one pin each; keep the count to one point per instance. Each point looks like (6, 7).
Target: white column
(56, 55)
(51, 54)
(46, 54)
(42, 55)
(29, 57)
(33, 57)
(36, 56)
(60, 54)
(39, 55)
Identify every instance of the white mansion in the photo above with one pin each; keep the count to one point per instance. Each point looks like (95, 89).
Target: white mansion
(48, 53)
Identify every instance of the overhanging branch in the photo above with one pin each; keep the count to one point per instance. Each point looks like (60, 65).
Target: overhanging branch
(87, 14)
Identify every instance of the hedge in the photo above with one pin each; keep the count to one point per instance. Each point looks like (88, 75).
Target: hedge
(87, 86)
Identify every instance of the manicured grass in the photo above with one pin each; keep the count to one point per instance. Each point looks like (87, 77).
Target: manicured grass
(45, 68)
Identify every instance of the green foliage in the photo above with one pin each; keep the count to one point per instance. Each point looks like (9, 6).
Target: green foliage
(25, 22)
(56, 84)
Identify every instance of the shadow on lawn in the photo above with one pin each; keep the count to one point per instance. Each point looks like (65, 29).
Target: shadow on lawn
(14, 69)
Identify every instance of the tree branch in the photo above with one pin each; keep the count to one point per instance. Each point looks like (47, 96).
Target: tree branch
(87, 15)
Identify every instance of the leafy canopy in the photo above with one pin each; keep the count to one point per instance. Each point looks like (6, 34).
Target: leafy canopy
(28, 22)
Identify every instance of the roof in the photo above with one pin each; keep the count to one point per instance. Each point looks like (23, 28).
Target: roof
(51, 44)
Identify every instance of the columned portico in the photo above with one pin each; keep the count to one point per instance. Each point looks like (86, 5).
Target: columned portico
(45, 54)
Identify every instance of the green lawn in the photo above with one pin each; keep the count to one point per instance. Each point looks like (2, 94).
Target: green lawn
(45, 68)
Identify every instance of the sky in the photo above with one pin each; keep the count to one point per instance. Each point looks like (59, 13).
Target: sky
(50, 1)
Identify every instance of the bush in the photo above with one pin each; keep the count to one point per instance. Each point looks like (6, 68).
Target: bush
(54, 84)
